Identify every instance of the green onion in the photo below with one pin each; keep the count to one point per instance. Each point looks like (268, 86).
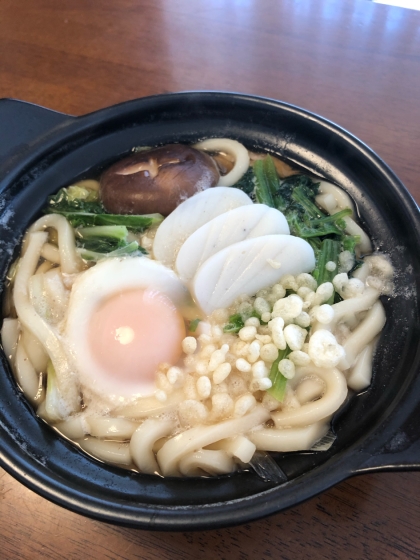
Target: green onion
(193, 325)
(118, 233)
(128, 249)
(279, 382)
(52, 397)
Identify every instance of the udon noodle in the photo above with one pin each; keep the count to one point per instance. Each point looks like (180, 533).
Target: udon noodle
(259, 356)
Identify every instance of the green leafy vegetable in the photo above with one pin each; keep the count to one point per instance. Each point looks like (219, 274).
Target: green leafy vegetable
(349, 244)
(132, 221)
(306, 220)
(102, 239)
(247, 182)
(82, 207)
(295, 197)
(75, 199)
(99, 242)
(303, 194)
(263, 183)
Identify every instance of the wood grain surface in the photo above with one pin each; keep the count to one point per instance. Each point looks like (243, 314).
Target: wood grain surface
(352, 61)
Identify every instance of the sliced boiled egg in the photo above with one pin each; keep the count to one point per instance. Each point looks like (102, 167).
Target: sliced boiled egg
(244, 222)
(248, 266)
(191, 215)
(124, 319)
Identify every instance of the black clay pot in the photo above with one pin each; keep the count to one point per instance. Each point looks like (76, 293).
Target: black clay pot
(41, 151)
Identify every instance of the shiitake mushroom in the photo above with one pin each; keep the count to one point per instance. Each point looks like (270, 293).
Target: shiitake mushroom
(156, 180)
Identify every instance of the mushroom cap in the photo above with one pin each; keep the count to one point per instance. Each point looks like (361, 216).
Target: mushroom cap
(156, 180)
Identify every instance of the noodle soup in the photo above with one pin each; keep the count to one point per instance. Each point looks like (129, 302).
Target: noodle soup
(193, 306)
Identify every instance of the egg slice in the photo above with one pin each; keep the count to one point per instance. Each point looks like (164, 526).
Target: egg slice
(124, 319)
(249, 266)
(192, 214)
(245, 222)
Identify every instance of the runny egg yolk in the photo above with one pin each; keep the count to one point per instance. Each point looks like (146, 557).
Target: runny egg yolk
(132, 332)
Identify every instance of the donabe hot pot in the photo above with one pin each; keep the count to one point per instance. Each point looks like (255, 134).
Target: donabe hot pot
(42, 151)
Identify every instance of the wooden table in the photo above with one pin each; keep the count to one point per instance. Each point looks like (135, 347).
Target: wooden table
(352, 61)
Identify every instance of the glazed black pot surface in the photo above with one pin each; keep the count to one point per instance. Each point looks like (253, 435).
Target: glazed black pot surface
(41, 151)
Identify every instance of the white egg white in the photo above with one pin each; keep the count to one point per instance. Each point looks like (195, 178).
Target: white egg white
(92, 287)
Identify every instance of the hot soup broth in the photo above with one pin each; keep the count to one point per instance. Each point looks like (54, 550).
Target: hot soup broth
(196, 304)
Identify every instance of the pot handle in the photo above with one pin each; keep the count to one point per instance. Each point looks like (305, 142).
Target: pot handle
(21, 124)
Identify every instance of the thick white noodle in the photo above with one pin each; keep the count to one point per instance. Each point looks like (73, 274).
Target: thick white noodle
(36, 294)
(364, 245)
(143, 440)
(113, 452)
(10, 331)
(88, 184)
(327, 202)
(73, 428)
(240, 447)
(341, 198)
(212, 462)
(368, 329)
(288, 439)
(150, 406)
(26, 375)
(361, 373)
(69, 259)
(44, 267)
(333, 397)
(110, 428)
(51, 253)
(51, 409)
(30, 319)
(35, 351)
(201, 436)
(55, 294)
(354, 305)
(309, 390)
(232, 148)
(362, 272)
(342, 201)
